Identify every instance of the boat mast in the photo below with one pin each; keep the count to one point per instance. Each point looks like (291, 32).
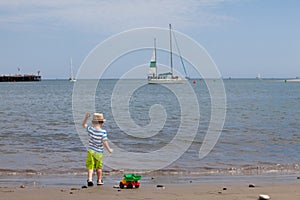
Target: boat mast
(71, 70)
(171, 59)
(155, 57)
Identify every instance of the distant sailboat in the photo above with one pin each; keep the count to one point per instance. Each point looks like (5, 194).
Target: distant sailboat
(71, 79)
(168, 77)
(259, 76)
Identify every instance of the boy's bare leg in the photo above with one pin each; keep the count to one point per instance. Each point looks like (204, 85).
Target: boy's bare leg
(90, 174)
(99, 175)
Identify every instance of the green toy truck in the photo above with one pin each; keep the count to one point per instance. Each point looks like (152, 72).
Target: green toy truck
(130, 181)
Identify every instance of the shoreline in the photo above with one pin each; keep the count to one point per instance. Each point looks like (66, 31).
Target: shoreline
(66, 180)
(151, 191)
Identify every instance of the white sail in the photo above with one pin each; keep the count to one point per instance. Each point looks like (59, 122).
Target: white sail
(152, 69)
(153, 58)
(72, 79)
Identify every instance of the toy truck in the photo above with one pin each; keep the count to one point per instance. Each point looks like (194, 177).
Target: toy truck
(130, 181)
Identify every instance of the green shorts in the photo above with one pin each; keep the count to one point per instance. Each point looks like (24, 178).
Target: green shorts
(93, 160)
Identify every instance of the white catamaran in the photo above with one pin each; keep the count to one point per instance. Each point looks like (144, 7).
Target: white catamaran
(168, 77)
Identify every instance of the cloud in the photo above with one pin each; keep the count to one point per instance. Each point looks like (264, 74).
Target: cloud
(108, 16)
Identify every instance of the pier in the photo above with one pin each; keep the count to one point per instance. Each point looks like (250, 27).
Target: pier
(19, 78)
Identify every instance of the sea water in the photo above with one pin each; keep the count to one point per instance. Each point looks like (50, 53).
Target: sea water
(40, 142)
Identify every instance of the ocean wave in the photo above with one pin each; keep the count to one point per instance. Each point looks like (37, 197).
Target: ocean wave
(245, 170)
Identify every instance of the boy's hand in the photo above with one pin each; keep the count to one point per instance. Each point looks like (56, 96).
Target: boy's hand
(105, 143)
(87, 115)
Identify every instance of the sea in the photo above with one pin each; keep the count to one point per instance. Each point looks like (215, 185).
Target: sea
(260, 140)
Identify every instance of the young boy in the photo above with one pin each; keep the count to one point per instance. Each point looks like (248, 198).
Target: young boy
(97, 139)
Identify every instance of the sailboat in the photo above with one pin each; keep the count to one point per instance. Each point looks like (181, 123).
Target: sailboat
(71, 79)
(164, 78)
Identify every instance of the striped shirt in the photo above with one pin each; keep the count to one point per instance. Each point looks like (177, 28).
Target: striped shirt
(95, 138)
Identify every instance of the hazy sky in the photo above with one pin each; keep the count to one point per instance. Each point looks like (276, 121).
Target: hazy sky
(243, 37)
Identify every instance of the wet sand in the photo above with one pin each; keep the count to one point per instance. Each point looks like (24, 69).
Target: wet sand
(288, 191)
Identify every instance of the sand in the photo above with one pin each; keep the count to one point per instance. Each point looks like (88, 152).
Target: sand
(282, 191)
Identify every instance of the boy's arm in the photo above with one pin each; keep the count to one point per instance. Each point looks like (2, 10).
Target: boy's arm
(87, 115)
(105, 143)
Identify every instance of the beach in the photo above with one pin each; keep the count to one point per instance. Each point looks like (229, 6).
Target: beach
(288, 191)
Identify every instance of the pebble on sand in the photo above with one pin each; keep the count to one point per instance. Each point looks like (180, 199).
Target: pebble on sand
(263, 197)
(160, 186)
(22, 186)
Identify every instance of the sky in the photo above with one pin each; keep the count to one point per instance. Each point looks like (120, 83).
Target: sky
(243, 37)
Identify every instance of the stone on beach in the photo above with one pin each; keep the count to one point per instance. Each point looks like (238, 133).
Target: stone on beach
(160, 186)
(264, 197)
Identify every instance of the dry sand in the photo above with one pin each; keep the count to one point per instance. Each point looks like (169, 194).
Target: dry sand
(289, 191)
